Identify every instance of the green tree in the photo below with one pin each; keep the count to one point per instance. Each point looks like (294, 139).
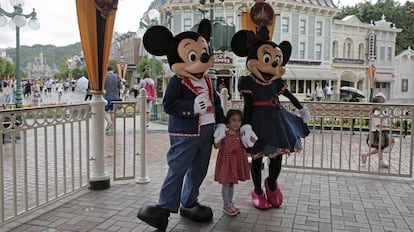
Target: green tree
(146, 63)
(79, 72)
(7, 69)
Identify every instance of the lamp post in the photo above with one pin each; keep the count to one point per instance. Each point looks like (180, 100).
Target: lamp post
(18, 20)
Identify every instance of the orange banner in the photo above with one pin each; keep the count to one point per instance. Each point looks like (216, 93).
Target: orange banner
(96, 23)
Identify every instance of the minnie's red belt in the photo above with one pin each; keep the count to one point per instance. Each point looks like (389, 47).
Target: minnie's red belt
(272, 103)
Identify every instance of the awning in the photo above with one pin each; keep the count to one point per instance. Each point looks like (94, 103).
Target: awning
(383, 77)
(308, 74)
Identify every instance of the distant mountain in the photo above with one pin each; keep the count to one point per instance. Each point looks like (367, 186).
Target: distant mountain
(51, 53)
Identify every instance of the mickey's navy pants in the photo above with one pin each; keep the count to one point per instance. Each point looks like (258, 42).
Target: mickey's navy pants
(188, 159)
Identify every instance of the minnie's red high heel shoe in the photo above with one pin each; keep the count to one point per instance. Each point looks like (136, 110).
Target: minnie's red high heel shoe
(275, 198)
(259, 201)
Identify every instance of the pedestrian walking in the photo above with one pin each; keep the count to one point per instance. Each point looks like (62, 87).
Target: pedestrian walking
(113, 85)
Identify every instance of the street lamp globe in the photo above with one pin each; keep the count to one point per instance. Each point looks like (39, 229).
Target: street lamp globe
(17, 3)
(3, 21)
(34, 24)
(153, 14)
(12, 25)
(19, 20)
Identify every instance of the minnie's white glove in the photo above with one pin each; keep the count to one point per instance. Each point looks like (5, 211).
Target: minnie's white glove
(201, 102)
(219, 133)
(248, 136)
(304, 114)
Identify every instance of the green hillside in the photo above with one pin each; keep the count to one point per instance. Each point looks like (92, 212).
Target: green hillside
(51, 53)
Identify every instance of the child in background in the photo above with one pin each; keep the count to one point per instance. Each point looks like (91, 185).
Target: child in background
(379, 126)
(232, 164)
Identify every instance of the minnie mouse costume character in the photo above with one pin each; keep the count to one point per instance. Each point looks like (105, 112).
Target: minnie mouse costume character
(268, 128)
(196, 118)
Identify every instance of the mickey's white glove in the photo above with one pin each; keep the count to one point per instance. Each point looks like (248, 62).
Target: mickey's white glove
(248, 136)
(201, 102)
(219, 133)
(304, 114)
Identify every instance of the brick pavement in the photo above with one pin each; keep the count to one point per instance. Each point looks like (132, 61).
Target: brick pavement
(314, 201)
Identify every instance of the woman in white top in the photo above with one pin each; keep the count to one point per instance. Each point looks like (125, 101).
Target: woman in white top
(319, 92)
(146, 79)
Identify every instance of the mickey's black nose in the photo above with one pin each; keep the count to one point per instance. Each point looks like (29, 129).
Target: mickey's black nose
(274, 64)
(205, 57)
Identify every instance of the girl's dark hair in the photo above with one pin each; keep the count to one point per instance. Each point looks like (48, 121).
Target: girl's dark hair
(232, 112)
(377, 99)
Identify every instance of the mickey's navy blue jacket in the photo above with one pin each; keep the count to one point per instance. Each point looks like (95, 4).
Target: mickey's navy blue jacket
(178, 102)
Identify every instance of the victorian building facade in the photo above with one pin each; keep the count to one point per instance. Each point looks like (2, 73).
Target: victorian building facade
(324, 50)
(402, 89)
(360, 48)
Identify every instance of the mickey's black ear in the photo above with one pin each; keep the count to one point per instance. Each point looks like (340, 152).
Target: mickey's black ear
(239, 43)
(156, 40)
(204, 28)
(286, 48)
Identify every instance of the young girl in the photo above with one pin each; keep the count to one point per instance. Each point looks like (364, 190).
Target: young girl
(379, 126)
(232, 164)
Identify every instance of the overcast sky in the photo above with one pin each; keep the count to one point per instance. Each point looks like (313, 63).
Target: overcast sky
(59, 23)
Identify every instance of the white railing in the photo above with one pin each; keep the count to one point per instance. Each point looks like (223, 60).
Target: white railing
(43, 156)
(338, 137)
(45, 152)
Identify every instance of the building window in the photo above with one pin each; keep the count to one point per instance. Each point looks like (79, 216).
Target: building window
(382, 53)
(335, 49)
(361, 51)
(319, 28)
(301, 86)
(302, 50)
(389, 53)
(348, 49)
(285, 24)
(293, 86)
(302, 26)
(404, 85)
(318, 52)
(187, 25)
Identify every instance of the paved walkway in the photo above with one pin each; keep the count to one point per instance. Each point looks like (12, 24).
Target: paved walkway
(313, 201)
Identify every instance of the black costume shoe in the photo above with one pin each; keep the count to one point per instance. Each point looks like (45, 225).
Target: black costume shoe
(154, 215)
(197, 213)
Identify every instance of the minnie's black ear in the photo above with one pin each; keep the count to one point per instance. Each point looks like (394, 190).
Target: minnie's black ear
(204, 28)
(157, 39)
(239, 43)
(286, 48)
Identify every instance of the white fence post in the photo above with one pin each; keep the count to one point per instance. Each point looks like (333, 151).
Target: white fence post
(99, 179)
(142, 99)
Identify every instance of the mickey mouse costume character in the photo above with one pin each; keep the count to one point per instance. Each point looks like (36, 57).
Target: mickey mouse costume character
(196, 118)
(268, 128)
